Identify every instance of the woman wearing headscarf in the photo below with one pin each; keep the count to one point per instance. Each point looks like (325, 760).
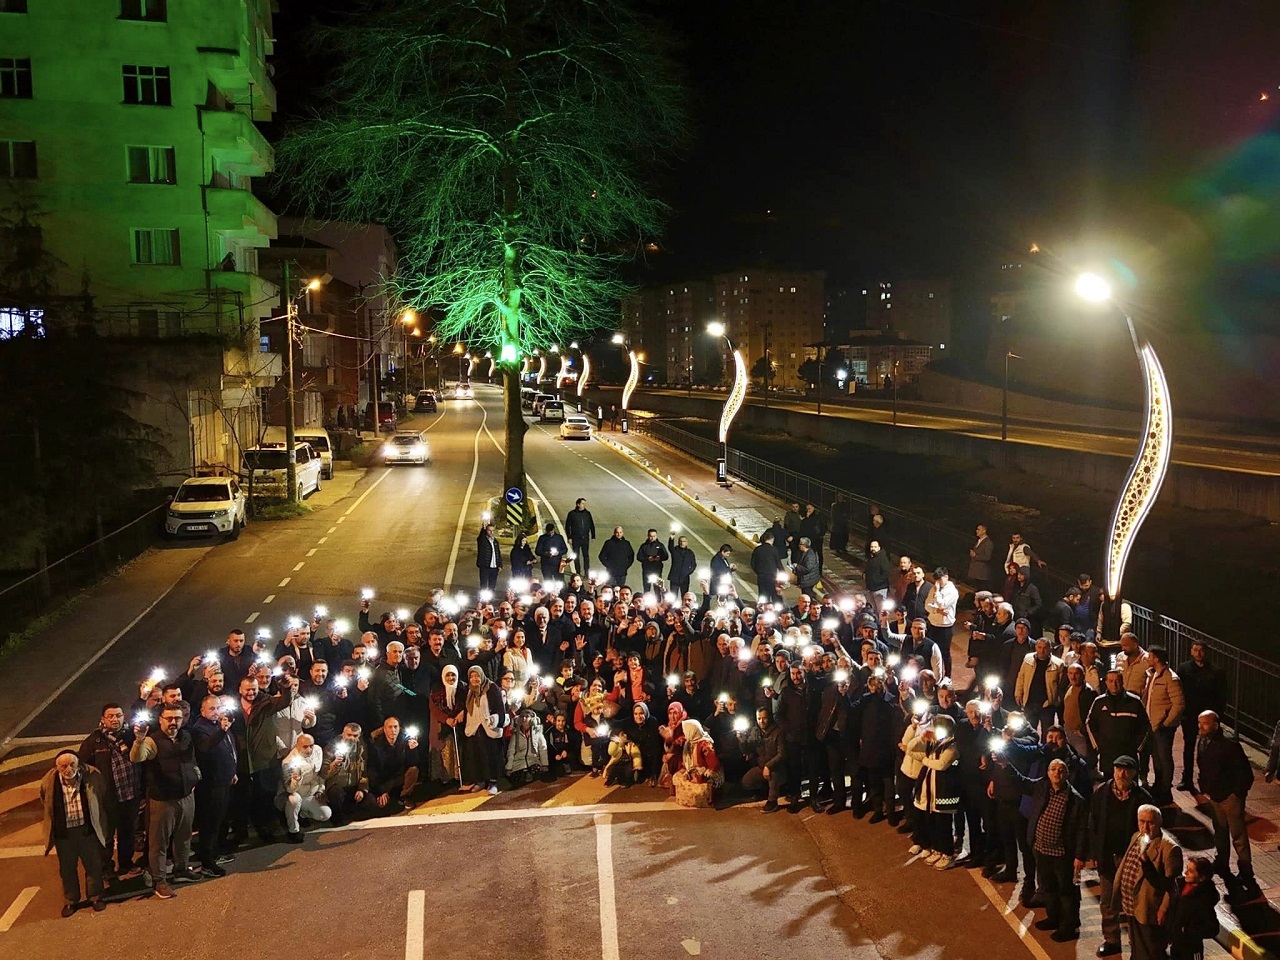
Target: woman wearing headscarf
(672, 733)
(486, 714)
(448, 711)
(698, 761)
(937, 790)
(643, 732)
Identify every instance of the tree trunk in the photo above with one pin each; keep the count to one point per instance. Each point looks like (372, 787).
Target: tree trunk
(513, 474)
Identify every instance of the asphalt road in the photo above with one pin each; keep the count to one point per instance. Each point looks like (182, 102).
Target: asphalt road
(1256, 454)
(533, 872)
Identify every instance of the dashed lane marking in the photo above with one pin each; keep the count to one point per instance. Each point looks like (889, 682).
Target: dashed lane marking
(321, 540)
(15, 909)
(451, 803)
(1007, 911)
(284, 582)
(252, 617)
(270, 597)
(584, 791)
(310, 553)
(298, 566)
(466, 500)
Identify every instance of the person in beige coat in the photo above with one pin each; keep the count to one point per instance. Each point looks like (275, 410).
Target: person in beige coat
(73, 795)
(1143, 885)
(1041, 682)
(1163, 698)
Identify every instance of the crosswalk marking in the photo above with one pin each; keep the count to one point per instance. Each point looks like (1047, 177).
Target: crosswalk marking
(15, 909)
(451, 803)
(30, 759)
(415, 923)
(582, 792)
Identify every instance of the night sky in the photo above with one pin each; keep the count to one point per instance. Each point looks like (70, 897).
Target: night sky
(877, 136)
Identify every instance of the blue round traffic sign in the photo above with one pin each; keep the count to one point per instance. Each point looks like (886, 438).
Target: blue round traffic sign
(515, 495)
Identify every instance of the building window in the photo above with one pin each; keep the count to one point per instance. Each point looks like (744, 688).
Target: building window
(17, 159)
(16, 321)
(154, 10)
(13, 6)
(156, 247)
(15, 78)
(151, 165)
(149, 85)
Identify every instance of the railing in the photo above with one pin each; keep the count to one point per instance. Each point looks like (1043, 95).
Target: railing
(1253, 683)
(38, 594)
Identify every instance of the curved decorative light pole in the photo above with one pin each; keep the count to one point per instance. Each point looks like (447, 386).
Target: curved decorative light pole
(583, 378)
(563, 373)
(1150, 464)
(732, 403)
(542, 366)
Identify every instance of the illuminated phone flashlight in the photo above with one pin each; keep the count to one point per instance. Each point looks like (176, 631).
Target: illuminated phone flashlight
(341, 748)
(310, 703)
(770, 617)
(293, 623)
(740, 724)
(725, 584)
(228, 705)
(156, 676)
(473, 642)
(264, 633)
(366, 593)
(519, 585)
(842, 676)
(485, 516)
(894, 659)
(888, 606)
(984, 707)
(1144, 840)
(606, 595)
(363, 673)
(673, 680)
(486, 596)
(704, 573)
(675, 527)
(767, 682)
(571, 555)
(909, 674)
(723, 698)
(402, 615)
(669, 598)
(920, 706)
(263, 660)
(526, 598)
(830, 623)
(602, 730)
(1016, 721)
(878, 672)
(321, 612)
(340, 627)
(654, 578)
(941, 732)
(461, 599)
(782, 576)
(846, 605)
(211, 656)
(411, 733)
(340, 682)
(277, 671)
(991, 682)
(141, 718)
(371, 650)
(996, 744)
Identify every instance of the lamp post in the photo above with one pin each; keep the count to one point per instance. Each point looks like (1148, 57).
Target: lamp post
(584, 376)
(1004, 396)
(290, 436)
(1150, 463)
(732, 403)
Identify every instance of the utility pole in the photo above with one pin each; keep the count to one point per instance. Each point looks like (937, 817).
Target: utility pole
(768, 359)
(820, 346)
(291, 473)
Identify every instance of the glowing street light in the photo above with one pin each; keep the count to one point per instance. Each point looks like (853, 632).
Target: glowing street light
(732, 403)
(1093, 288)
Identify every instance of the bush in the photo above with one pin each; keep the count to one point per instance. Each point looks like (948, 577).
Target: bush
(279, 509)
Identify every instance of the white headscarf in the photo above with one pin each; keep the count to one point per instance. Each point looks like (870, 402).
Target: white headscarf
(693, 732)
(450, 689)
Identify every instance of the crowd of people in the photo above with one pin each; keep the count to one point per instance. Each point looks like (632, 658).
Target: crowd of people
(1032, 768)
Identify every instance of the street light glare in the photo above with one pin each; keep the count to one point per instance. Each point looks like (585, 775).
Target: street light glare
(715, 328)
(408, 317)
(619, 339)
(1091, 287)
(314, 285)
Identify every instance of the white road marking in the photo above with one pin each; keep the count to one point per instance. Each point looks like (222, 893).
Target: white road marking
(415, 924)
(608, 903)
(331, 530)
(466, 500)
(15, 909)
(284, 582)
(310, 553)
(321, 540)
(298, 567)
(252, 617)
(1017, 926)
(372, 487)
(269, 598)
(17, 742)
(19, 853)
(44, 704)
(482, 815)
(343, 517)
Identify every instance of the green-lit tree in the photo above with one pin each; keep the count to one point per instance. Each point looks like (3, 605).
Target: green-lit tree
(506, 143)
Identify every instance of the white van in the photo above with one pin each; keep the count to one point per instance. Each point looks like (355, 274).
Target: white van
(317, 437)
(267, 468)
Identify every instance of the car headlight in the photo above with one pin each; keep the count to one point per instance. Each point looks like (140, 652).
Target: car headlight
(174, 515)
(389, 450)
(221, 513)
(420, 450)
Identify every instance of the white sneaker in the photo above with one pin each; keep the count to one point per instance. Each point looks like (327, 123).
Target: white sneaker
(914, 849)
(943, 862)
(932, 857)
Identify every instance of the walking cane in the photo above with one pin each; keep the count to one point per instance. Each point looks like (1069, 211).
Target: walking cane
(457, 754)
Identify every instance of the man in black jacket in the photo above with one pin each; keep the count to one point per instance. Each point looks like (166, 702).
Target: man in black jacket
(171, 774)
(795, 708)
(683, 565)
(766, 566)
(488, 557)
(581, 530)
(236, 659)
(1117, 723)
(216, 755)
(652, 555)
(770, 767)
(617, 556)
(107, 748)
(1113, 820)
(1225, 779)
(877, 571)
(1204, 687)
(1056, 824)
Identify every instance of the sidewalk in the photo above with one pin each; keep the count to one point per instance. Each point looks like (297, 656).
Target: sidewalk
(1249, 930)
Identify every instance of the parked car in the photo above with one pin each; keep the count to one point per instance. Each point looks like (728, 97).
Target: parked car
(538, 401)
(267, 468)
(425, 402)
(205, 506)
(408, 446)
(575, 427)
(319, 439)
(386, 416)
(526, 396)
(552, 410)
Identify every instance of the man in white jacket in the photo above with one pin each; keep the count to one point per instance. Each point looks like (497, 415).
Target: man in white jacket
(941, 607)
(302, 786)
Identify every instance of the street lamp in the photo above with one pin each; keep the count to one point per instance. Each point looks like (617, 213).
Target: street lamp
(732, 403)
(1004, 397)
(407, 319)
(291, 322)
(583, 377)
(1150, 463)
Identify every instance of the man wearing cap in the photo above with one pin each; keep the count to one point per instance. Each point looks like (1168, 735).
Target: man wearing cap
(74, 798)
(1113, 819)
(1013, 654)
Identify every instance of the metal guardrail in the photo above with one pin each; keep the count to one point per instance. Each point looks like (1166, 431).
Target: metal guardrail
(29, 598)
(1253, 683)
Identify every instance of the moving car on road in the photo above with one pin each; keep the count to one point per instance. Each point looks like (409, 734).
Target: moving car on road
(552, 410)
(204, 506)
(463, 391)
(425, 402)
(407, 446)
(575, 427)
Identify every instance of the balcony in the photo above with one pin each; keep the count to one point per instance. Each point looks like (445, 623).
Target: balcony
(239, 213)
(259, 296)
(236, 142)
(239, 365)
(318, 321)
